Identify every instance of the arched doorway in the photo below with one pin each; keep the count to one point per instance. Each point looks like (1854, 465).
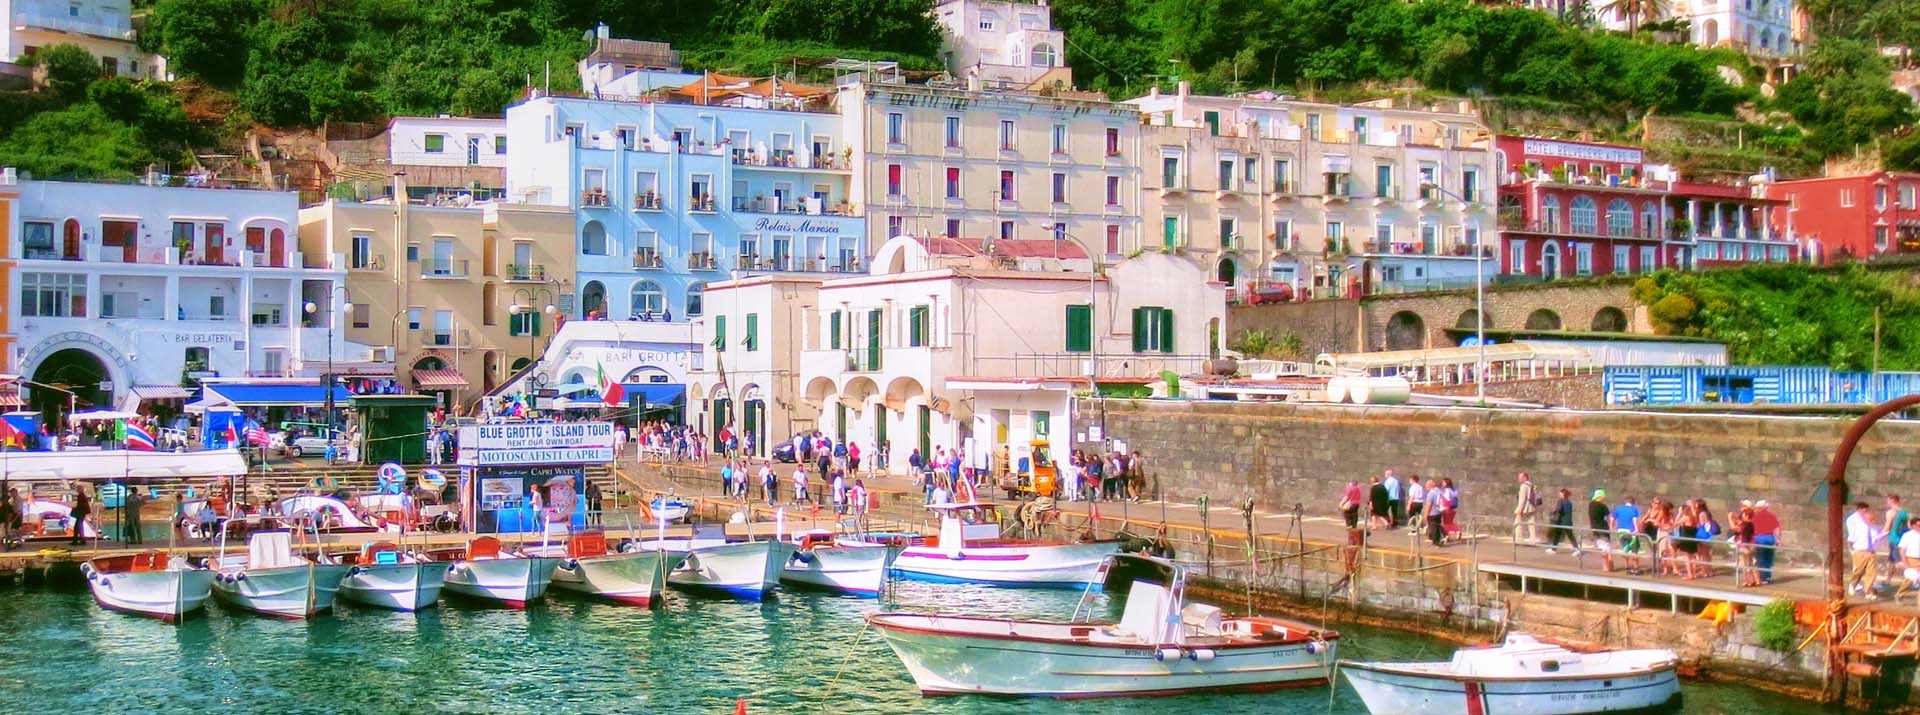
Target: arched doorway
(1468, 318)
(489, 369)
(1406, 331)
(1227, 272)
(1543, 319)
(593, 297)
(75, 370)
(1550, 260)
(1609, 320)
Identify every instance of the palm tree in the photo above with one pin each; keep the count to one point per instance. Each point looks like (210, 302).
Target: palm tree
(1638, 12)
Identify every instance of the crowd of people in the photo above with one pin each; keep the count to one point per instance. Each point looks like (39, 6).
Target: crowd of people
(1429, 509)
(1115, 476)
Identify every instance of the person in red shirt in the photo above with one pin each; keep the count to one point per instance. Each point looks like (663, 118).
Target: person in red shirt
(1350, 502)
(1766, 535)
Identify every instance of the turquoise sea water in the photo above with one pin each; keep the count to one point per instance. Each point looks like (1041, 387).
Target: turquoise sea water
(798, 653)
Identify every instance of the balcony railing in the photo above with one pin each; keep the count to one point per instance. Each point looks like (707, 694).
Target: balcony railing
(593, 198)
(646, 201)
(526, 272)
(702, 203)
(116, 28)
(701, 261)
(647, 258)
(443, 268)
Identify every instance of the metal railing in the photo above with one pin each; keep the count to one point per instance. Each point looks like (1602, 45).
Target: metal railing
(1664, 555)
(443, 268)
(1080, 364)
(526, 272)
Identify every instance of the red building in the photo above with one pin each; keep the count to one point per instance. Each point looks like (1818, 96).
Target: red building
(1570, 208)
(1852, 216)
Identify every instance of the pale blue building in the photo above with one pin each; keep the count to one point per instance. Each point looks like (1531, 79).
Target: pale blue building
(671, 196)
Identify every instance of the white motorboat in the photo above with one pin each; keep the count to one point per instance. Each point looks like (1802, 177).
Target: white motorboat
(848, 566)
(152, 584)
(383, 575)
(484, 571)
(746, 569)
(671, 508)
(970, 550)
(1521, 676)
(326, 513)
(631, 575)
(1160, 646)
(273, 580)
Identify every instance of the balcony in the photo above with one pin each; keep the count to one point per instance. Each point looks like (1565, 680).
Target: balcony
(593, 199)
(702, 204)
(785, 159)
(447, 268)
(701, 261)
(749, 261)
(647, 258)
(95, 24)
(646, 201)
(526, 273)
(765, 205)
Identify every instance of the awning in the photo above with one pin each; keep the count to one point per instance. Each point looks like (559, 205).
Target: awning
(438, 379)
(11, 399)
(256, 395)
(161, 392)
(656, 394)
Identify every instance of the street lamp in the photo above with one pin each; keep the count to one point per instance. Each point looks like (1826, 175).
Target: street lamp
(1479, 298)
(528, 309)
(327, 380)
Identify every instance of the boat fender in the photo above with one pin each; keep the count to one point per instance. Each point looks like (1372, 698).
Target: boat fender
(958, 556)
(1165, 654)
(352, 572)
(242, 576)
(1313, 647)
(803, 557)
(1201, 655)
(573, 565)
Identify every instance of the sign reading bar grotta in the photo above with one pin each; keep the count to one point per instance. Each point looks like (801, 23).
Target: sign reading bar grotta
(536, 443)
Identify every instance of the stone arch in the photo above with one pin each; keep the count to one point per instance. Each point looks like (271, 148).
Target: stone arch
(77, 372)
(1609, 320)
(593, 296)
(1468, 318)
(1226, 272)
(901, 390)
(1406, 330)
(857, 390)
(819, 390)
(1543, 319)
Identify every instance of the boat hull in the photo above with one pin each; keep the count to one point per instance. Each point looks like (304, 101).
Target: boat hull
(746, 570)
(952, 664)
(637, 578)
(166, 595)
(855, 570)
(1063, 565)
(513, 582)
(398, 587)
(1389, 692)
(300, 591)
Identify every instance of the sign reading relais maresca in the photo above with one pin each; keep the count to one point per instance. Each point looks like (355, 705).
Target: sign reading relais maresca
(536, 443)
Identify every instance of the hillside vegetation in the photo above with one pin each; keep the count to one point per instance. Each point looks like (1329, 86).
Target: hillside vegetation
(1791, 314)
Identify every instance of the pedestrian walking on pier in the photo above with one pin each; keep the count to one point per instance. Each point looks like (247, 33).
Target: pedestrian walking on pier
(1766, 536)
(1350, 500)
(1396, 506)
(1741, 521)
(1910, 555)
(1600, 523)
(1561, 524)
(1625, 523)
(82, 508)
(1416, 502)
(1525, 512)
(1863, 540)
(1895, 527)
(1380, 508)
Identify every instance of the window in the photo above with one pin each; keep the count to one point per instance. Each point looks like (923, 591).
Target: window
(1060, 231)
(1879, 238)
(987, 20)
(1879, 197)
(896, 180)
(413, 252)
(752, 339)
(197, 359)
(646, 298)
(443, 327)
(919, 326)
(953, 182)
(1313, 127)
(525, 324)
(1113, 191)
(896, 128)
(1059, 188)
(1470, 184)
(1650, 258)
(1152, 330)
(1517, 263)
(1113, 239)
(896, 225)
(1226, 174)
(53, 295)
(1336, 235)
(1846, 198)
(1113, 141)
(1228, 228)
(1170, 171)
(1907, 198)
(834, 321)
(1283, 234)
(1006, 185)
(1079, 328)
(953, 228)
(1619, 218)
(696, 295)
(1649, 221)
(499, 143)
(416, 317)
(1621, 254)
(1059, 138)
(1585, 216)
(1006, 230)
(1282, 176)
(1583, 258)
(1550, 214)
(38, 240)
(362, 315)
(953, 132)
(442, 264)
(1043, 55)
(1382, 238)
(1170, 237)
(1006, 135)
(1250, 174)
(362, 250)
(436, 143)
(1382, 174)
(720, 333)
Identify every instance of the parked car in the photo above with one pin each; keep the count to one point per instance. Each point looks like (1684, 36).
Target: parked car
(1270, 293)
(783, 452)
(315, 445)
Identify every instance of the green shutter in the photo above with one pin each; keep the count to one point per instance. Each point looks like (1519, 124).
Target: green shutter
(1166, 330)
(873, 339)
(1140, 318)
(720, 333)
(917, 326)
(1079, 328)
(833, 331)
(536, 324)
(753, 332)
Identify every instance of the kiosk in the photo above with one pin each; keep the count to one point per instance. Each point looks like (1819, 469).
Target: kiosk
(507, 468)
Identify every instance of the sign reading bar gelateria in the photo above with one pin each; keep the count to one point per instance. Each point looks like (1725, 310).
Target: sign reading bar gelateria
(536, 443)
(805, 226)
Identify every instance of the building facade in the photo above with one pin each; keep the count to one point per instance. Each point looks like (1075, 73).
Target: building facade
(672, 196)
(103, 27)
(1328, 200)
(458, 295)
(1851, 217)
(133, 290)
(1009, 45)
(941, 162)
(1580, 208)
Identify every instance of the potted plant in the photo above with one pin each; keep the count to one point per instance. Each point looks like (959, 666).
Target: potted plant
(1560, 174)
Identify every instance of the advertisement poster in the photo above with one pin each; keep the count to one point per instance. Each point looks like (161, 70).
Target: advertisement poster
(505, 498)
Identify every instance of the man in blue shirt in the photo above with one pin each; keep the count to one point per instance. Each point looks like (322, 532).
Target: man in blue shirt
(1396, 506)
(1626, 527)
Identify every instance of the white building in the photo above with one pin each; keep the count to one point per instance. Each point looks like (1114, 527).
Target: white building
(948, 343)
(447, 141)
(1004, 44)
(653, 360)
(103, 27)
(1758, 27)
(133, 289)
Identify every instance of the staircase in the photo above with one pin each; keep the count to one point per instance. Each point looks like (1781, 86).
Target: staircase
(1879, 650)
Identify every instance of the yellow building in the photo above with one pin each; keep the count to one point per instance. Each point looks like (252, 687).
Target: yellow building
(459, 294)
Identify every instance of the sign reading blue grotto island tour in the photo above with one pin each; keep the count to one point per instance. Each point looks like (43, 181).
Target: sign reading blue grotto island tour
(525, 476)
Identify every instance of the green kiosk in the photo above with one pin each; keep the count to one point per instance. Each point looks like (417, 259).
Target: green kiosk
(395, 427)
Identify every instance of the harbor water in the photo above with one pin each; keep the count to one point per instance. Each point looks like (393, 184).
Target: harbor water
(797, 653)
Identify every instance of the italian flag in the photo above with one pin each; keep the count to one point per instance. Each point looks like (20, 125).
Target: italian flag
(612, 393)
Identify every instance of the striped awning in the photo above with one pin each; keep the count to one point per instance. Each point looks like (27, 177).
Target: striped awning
(11, 399)
(438, 379)
(161, 392)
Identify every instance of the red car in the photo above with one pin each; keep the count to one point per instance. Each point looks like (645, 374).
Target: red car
(1270, 293)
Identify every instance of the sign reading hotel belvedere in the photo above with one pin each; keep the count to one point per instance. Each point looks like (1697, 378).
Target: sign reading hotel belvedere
(490, 445)
(1586, 152)
(811, 226)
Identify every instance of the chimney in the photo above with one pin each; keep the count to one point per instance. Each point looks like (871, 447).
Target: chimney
(601, 31)
(1153, 91)
(1185, 87)
(400, 186)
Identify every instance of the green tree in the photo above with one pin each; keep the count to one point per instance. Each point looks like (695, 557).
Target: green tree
(69, 69)
(1845, 98)
(203, 38)
(80, 142)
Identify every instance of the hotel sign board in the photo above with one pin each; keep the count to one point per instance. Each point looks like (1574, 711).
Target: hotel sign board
(1583, 152)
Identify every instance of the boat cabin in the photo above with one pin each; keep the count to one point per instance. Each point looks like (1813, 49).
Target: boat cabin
(967, 523)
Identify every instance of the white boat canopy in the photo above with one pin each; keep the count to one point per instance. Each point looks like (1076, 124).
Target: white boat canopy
(1448, 365)
(92, 415)
(92, 465)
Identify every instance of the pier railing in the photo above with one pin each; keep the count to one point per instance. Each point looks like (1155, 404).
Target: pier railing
(1718, 560)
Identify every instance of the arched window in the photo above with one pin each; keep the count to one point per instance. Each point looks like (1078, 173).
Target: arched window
(648, 298)
(1619, 218)
(1710, 34)
(593, 239)
(1043, 55)
(1585, 216)
(1649, 220)
(1550, 213)
(696, 293)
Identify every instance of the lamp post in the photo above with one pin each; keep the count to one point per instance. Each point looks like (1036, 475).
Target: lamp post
(527, 303)
(327, 380)
(1479, 298)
